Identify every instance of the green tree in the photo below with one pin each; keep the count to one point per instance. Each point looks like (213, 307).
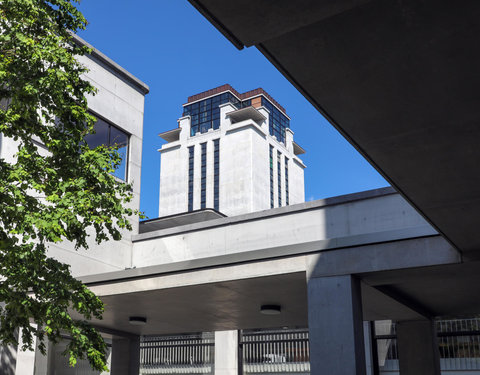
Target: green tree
(52, 195)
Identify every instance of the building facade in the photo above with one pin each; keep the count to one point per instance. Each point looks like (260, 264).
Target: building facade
(118, 106)
(231, 152)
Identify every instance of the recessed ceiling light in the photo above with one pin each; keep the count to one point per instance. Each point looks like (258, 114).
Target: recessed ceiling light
(270, 309)
(137, 320)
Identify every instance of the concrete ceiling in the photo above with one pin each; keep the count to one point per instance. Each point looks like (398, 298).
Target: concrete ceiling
(399, 79)
(217, 306)
(210, 307)
(406, 294)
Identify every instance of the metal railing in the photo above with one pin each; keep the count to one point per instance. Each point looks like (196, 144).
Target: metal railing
(182, 354)
(458, 341)
(276, 351)
(287, 351)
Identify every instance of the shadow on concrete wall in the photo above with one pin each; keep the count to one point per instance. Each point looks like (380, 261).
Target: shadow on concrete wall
(8, 360)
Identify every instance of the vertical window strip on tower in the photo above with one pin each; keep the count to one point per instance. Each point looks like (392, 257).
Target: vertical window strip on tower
(203, 193)
(279, 179)
(277, 121)
(287, 199)
(216, 173)
(191, 150)
(271, 176)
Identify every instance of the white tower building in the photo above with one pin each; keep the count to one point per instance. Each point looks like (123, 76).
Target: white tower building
(231, 152)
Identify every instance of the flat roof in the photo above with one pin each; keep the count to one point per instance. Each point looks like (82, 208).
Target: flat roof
(176, 220)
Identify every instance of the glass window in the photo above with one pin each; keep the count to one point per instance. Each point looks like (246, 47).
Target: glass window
(110, 135)
(191, 150)
(203, 181)
(216, 173)
(277, 121)
(287, 194)
(279, 179)
(271, 176)
(205, 114)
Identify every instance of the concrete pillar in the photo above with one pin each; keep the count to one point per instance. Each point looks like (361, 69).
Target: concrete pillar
(43, 364)
(125, 356)
(418, 348)
(226, 353)
(335, 326)
(25, 359)
(368, 345)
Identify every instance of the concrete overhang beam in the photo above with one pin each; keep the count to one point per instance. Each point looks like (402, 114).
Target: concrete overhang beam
(397, 79)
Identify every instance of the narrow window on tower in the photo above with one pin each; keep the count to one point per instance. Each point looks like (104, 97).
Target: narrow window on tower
(191, 150)
(271, 176)
(279, 179)
(216, 173)
(287, 200)
(203, 194)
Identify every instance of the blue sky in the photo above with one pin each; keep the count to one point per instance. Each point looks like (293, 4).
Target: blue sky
(172, 48)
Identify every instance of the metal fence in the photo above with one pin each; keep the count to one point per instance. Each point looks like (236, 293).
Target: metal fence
(182, 354)
(279, 351)
(287, 351)
(458, 341)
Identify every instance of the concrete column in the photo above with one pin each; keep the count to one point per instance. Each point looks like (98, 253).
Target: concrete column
(25, 359)
(43, 364)
(226, 353)
(368, 344)
(125, 356)
(418, 348)
(335, 326)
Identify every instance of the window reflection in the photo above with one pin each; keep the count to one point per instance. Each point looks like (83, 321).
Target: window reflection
(109, 135)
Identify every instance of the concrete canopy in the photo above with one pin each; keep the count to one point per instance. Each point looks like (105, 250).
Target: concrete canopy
(397, 78)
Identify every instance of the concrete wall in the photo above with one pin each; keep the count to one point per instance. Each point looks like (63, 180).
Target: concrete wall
(296, 177)
(260, 172)
(8, 359)
(122, 104)
(174, 171)
(293, 225)
(173, 195)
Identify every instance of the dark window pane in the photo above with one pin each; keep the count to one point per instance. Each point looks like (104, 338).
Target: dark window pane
(101, 134)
